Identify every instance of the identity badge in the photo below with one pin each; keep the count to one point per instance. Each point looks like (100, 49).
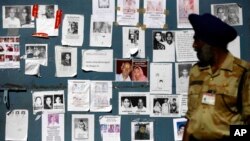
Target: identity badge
(208, 98)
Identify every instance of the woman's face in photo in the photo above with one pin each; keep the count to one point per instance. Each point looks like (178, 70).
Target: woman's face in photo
(24, 13)
(67, 56)
(137, 73)
(185, 72)
(126, 103)
(48, 100)
(38, 101)
(158, 36)
(58, 100)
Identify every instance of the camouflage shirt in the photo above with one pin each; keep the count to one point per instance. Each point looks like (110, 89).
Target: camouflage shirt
(211, 122)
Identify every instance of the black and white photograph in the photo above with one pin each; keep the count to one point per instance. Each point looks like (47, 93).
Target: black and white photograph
(103, 3)
(58, 101)
(66, 58)
(133, 103)
(230, 13)
(73, 27)
(17, 16)
(182, 76)
(133, 42)
(82, 127)
(66, 61)
(36, 51)
(101, 31)
(48, 101)
(142, 131)
(179, 128)
(165, 105)
(163, 46)
(101, 27)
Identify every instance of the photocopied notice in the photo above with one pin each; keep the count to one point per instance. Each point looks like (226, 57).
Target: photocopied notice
(17, 16)
(127, 12)
(133, 103)
(9, 52)
(142, 131)
(184, 105)
(163, 46)
(45, 22)
(184, 46)
(83, 127)
(66, 61)
(101, 31)
(106, 8)
(78, 95)
(48, 101)
(133, 42)
(161, 78)
(52, 127)
(165, 105)
(101, 94)
(154, 17)
(16, 127)
(72, 30)
(110, 127)
(184, 8)
(179, 128)
(35, 55)
(182, 76)
(97, 60)
(230, 13)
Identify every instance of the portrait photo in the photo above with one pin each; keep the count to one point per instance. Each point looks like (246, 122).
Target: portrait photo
(142, 131)
(101, 27)
(124, 70)
(73, 27)
(81, 128)
(66, 58)
(179, 127)
(48, 101)
(53, 120)
(18, 16)
(103, 3)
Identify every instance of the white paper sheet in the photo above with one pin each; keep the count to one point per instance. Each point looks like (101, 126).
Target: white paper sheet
(184, 8)
(133, 103)
(52, 127)
(45, 23)
(16, 127)
(154, 17)
(101, 31)
(133, 42)
(72, 30)
(105, 8)
(83, 127)
(234, 47)
(184, 105)
(17, 16)
(184, 46)
(182, 76)
(163, 46)
(78, 95)
(110, 127)
(101, 94)
(165, 105)
(230, 13)
(97, 60)
(66, 61)
(9, 52)
(161, 78)
(127, 13)
(48, 101)
(179, 127)
(138, 135)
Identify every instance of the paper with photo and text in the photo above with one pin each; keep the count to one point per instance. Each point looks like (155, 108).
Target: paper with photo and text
(52, 127)
(110, 127)
(106, 8)
(72, 30)
(78, 95)
(66, 61)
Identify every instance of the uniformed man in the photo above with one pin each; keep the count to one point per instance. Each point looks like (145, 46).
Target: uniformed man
(216, 82)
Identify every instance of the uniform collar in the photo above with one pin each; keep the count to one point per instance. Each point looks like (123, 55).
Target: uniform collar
(226, 65)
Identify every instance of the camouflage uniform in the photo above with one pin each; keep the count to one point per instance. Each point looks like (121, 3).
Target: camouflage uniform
(211, 122)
